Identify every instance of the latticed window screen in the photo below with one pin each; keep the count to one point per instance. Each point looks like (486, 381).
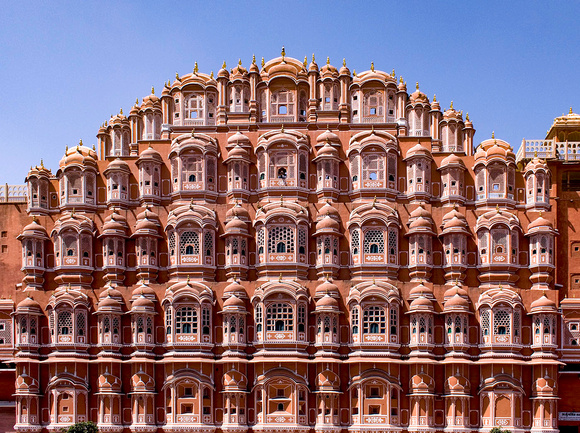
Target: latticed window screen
(373, 167)
(172, 243)
(499, 240)
(497, 179)
(205, 320)
(515, 239)
(354, 321)
(282, 165)
(302, 240)
(115, 325)
(374, 321)
(501, 322)
(480, 180)
(485, 322)
(393, 320)
(6, 332)
(392, 241)
(65, 323)
(301, 317)
(168, 320)
(210, 170)
(194, 106)
(281, 240)
(81, 323)
(260, 237)
(185, 321)
(354, 165)
(391, 167)
(51, 322)
(355, 241)
(258, 317)
(208, 243)
(149, 328)
(482, 241)
(279, 317)
(189, 243)
(70, 245)
(192, 169)
(374, 242)
(516, 322)
(373, 103)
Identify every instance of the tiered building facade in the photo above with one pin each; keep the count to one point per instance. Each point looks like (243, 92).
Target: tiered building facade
(295, 248)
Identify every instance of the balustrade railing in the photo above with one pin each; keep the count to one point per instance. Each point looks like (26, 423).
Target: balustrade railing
(549, 149)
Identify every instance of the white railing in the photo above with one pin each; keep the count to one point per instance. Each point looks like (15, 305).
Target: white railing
(13, 193)
(549, 149)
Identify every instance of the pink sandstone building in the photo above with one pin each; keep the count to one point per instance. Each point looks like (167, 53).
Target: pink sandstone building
(294, 248)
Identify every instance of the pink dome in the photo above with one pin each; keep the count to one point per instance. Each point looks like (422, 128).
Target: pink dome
(327, 223)
(234, 301)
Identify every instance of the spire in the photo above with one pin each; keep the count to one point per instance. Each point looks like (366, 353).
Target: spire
(401, 79)
(393, 73)
(239, 63)
(451, 106)
(253, 59)
(224, 65)
(195, 68)
(417, 86)
(305, 63)
(434, 98)
(313, 58)
(373, 66)
(328, 60)
(120, 111)
(467, 117)
(177, 76)
(152, 91)
(344, 62)
(283, 53)
(280, 278)
(211, 75)
(263, 62)
(570, 112)
(492, 134)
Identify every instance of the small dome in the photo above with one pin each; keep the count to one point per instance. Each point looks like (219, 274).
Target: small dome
(147, 223)
(34, 229)
(108, 304)
(452, 291)
(454, 223)
(327, 151)
(420, 290)
(329, 210)
(238, 138)
(418, 97)
(344, 70)
(234, 288)
(150, 154)
(420, 223)
(327, 287)
(327, 223)
(79, 155)
(420, 212)
(223, 72)
(236, 225)
(238, 211)
(28, 303)
(117, 165)
(112, 292)
(452, 160)
(418, 150)
(540, 222)
(543, 302)
(421, 303)
(457, 301)
(115, 223)
(144, 290)
(453, 114)
(238, 152)
(143, 303)
(327, 137)
(327, 301)
(234, 302)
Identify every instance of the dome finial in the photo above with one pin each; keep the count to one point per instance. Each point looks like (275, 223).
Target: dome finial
(188, 280)
(81, 142)
(393, 73)
(191, 203)
(152, 91)
(492, 134)
(497, 208)
(253, 59)
(375, 201)
(41, 163)
(282, 128)
(467, 117)
(451, 106)
(224, 65)
(417, 86)
(193, 131)
(570, 112)
(281, 200)
(195, 68)
(373, 66)
(305, 62)
(328, 60)
(401, 79)
(280, 278)
(136, 102)
(354, 72)
(263, 62)
(434, 98)
(177, 76)
(211, 75)
(535, 153)
(283, 52)
(121, 111)
(343, 62)
(239, 63)
(540, 215)
(313, 58)
(94, 148)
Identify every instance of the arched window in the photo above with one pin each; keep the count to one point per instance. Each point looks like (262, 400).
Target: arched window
(279, 317)
(281, 238)
(374, 321)
(189, 243)
(186, 320)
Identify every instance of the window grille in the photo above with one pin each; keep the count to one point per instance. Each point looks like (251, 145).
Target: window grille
(6, 332)
(258, 318)
(374, 321)
(65, 323)
(205, 320)
(373, 167)
(354, 165)
(189, 243)
(374, 242)
(499, 240)
(192, 169)
(301, 318)
(354, 320)
(81, 323)
(302, 240)
(281, 239)
(116, 325)
(501, 322)
(355, 241)
(392, 241)
(516, 322)
(391, 167)
(185, 321)
(393, 320)
(208, 243)
(485, 322)
(279, 317)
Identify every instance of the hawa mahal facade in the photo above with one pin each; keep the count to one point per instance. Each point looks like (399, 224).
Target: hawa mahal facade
(294, 248)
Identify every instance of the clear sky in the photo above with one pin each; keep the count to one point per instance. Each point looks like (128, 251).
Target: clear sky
(65, 67)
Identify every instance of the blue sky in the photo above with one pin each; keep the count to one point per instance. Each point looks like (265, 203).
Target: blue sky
(65, 67)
